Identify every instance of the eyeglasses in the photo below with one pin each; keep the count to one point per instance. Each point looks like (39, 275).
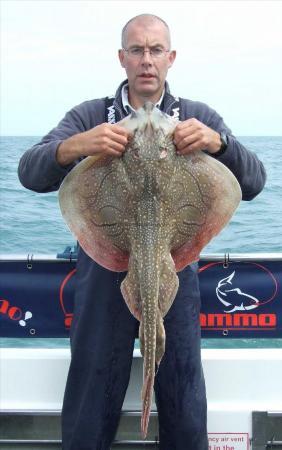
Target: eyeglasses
(138, 52)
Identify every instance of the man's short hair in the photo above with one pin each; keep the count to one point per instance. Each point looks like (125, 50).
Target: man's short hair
(149, 16)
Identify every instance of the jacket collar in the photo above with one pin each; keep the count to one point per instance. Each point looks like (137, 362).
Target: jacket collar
(125, 101)
(166, 105)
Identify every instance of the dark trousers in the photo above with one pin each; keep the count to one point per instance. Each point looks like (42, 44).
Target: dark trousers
(102, 342)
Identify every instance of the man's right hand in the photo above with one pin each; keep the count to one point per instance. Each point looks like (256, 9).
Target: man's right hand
(106, 139)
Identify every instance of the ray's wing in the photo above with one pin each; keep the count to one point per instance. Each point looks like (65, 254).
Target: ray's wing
(93, 198)
(207, 196)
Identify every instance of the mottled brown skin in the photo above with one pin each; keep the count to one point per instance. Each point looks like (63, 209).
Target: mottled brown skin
(149, 212)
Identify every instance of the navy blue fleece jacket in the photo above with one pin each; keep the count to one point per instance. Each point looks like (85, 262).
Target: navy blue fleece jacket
(40, 172)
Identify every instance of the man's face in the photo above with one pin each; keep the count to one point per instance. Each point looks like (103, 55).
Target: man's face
(146, 74)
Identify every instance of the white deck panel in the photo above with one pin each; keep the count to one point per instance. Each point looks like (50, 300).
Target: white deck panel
(238, 382)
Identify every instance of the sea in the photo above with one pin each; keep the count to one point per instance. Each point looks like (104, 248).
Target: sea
(31, 223)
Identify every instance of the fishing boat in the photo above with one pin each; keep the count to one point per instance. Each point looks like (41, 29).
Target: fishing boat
(241, 298)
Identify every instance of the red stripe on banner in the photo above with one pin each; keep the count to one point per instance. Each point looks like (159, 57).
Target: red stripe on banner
(201, 269)
(66, 279)
(273, 279)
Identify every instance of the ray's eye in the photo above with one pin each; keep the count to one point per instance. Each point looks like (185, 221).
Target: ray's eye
(163, 153)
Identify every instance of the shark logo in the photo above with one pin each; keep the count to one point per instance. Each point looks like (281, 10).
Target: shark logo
(234, 297)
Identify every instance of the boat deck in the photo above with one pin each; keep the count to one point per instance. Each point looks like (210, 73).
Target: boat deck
(242, 385)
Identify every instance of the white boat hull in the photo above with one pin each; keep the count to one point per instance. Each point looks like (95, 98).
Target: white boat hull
(238, 381)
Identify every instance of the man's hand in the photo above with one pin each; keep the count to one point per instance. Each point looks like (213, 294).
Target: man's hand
(107, 139)
(192, 135)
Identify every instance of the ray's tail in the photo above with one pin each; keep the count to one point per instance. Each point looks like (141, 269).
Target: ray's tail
(148, 350)
(147, 394)
(149, 289)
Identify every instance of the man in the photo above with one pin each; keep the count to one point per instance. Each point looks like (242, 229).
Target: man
(103, 330)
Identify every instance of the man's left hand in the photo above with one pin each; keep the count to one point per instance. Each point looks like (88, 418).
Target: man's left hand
(192, 135)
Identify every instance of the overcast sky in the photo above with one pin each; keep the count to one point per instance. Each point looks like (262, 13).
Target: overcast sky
(58, 53)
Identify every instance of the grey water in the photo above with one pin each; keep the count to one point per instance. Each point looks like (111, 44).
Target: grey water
(31, 223)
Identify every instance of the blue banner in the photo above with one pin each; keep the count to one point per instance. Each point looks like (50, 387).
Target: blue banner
(239, 299)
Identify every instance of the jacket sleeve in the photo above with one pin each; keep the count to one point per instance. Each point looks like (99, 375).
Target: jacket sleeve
(38, 168)
(243, 163)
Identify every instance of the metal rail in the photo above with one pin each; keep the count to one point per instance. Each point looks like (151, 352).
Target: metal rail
(30, 258)
(273, 444)
(59, 442)
(30, 441)
(57, 412)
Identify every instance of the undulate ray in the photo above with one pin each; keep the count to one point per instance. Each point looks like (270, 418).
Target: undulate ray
(149, 212)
